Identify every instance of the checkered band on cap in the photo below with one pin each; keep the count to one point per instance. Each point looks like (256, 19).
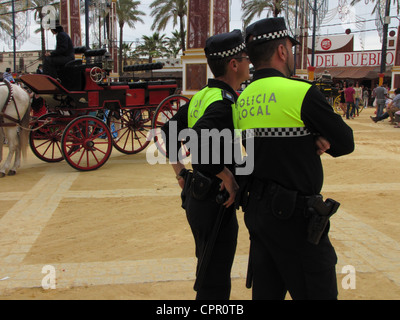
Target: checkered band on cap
(272, 35)
(228, 53)
(275, 132)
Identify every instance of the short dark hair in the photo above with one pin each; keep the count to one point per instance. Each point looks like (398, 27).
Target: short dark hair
(262, 52)
(219, 66)
(397, 91)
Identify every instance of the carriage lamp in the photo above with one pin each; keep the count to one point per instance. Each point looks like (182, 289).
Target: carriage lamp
(108, 62)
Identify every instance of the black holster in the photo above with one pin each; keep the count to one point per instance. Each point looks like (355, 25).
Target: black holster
(319, 214)
(202, 186)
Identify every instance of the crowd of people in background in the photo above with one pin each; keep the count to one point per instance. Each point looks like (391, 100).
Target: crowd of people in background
(354, 97)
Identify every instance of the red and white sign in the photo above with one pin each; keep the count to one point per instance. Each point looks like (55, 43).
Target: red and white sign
(326, 44)
(351, 59)
(330, 43)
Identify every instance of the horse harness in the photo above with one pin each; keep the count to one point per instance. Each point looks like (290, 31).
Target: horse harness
(3, 115)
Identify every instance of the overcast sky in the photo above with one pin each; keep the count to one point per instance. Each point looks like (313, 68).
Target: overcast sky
(335, 26)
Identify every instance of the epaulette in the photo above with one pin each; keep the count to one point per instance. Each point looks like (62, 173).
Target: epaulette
(229, 96)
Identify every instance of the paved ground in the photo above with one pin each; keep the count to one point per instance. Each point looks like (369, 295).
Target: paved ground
(27, 207)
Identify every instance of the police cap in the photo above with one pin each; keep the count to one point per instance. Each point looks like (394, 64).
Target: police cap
(225, 45)
(268, 29)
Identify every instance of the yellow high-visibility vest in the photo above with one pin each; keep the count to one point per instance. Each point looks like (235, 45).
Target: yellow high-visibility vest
(273, 106)
(202, 100)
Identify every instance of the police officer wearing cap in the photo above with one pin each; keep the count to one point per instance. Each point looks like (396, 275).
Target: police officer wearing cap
(211, 109)
(292, 125)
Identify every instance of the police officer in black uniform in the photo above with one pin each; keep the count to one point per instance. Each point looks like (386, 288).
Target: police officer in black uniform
(212, 108)
(288, 118)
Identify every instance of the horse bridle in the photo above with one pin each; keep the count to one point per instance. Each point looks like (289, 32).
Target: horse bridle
(3, 109)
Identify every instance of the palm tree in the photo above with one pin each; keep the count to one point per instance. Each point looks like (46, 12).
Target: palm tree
(6, 21)
(126, 49)
(164, 10)
(252, 8)
(173, 43)
(154, 46)
(127, 12)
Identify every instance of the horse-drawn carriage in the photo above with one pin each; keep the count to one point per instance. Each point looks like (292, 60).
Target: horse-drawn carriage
(71, 129)
(325, 84)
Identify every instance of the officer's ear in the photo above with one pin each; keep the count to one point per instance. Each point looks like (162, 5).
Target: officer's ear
(233, 64)
(282, 52)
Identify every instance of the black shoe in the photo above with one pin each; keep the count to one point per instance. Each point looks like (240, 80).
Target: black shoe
(373, 119)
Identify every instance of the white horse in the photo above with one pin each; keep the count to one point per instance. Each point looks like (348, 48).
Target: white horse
(14, 113)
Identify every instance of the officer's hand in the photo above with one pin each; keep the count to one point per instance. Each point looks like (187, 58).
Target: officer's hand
(322, 145)
(229, 184)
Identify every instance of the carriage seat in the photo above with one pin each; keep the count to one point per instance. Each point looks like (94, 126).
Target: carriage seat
(95, 52)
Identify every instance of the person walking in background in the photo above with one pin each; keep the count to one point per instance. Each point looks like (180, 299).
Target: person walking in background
(349, 94)
(381, 96)
(357, 97)
(365, 97)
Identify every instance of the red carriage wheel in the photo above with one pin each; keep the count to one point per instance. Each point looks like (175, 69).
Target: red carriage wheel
(165, 111)
(45, 138)
(130, 129)
(86, 143)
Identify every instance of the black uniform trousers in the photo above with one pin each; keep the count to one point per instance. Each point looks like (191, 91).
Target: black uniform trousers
(281, 258)
(202, 215)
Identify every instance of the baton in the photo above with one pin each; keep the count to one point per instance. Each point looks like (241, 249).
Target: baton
(208, 250)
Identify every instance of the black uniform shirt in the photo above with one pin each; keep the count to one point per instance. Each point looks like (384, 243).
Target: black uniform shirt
(293, 161)
(218, 115)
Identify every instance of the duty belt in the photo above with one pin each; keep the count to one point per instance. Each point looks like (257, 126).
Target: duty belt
(267, 189)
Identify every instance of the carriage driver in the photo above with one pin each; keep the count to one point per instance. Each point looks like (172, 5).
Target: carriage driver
(211, 108)
(63, 53)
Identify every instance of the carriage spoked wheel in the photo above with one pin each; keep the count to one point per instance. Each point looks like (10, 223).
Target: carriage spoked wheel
(86, 143)
(336, 105)
(130, 129)
(165, 111)
(338, 109)
(45, 138)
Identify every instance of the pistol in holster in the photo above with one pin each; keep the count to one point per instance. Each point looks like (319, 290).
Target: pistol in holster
(319, 213)
(202, 186)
